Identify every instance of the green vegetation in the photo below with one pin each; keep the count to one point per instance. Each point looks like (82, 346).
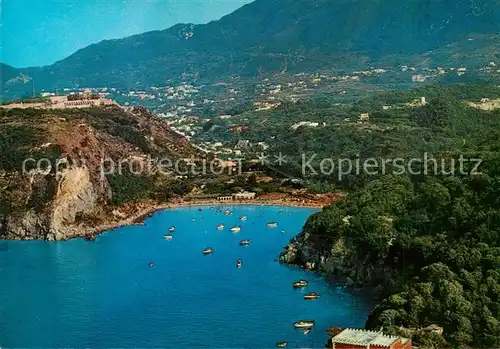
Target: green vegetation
(27, 100)
(127, 187)
(431, 242)
(15, 144)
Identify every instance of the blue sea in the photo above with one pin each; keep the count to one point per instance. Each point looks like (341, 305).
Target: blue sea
(103, 293)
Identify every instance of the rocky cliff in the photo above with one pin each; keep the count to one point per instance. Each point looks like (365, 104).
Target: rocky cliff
(335, 258)
(52, 184)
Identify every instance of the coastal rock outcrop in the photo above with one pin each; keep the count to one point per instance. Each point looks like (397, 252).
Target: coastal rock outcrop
(53, 183)
(76, 195)
(334, 258)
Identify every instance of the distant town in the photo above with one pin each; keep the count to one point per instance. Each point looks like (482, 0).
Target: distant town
(190, 109)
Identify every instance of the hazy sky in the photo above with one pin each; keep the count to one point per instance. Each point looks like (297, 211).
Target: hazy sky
(40, 32)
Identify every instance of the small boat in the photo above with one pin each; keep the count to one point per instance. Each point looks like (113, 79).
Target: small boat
(239, 263)
(171, 229)
(168, 236)
(243, 218)
(281, 344)
(227, 212)
(208, 251)
(311, 295)
(304, 324)
(300, 283)
(151, 264)
(245, 242)
(236, 229)
(272, 224)
(282, 232)
(306, 331)
(200, 209)
(218, 209)
(220, 227)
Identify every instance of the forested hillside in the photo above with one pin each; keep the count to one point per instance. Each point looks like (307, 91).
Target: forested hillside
(430, 242)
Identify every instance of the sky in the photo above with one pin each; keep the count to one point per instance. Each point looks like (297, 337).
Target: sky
(40, 32)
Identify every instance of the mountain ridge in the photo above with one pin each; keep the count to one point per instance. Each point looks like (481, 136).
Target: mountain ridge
(269, 36)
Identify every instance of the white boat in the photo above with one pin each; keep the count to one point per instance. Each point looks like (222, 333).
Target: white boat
(281, 344)
(300, 284)
(311, 295)
(245, 242)
(208, 251)
(239, 263)
(306, 330)
(227, 212)
(168, 236)
(171, 229)
(151, 264)
(303, 324)
(243, 218)
(220, 227)
(272, 224)
(236, 229)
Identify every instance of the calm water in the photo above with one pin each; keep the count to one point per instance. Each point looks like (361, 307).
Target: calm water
(103, 294)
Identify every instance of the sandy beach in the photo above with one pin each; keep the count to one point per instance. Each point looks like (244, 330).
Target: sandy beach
(141, 213)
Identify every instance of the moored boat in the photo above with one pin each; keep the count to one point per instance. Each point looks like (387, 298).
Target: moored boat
(272, 224)
(303, 324)
(311, 295)
(281, 344)
(236, 229)
(300, 283)
(239, 263)
(168, 236)
(306, 331)
(171, 229)
(151, 264)
(220, 227)
(208, 250)
(227, 212)
(243, 218)
(245, 242)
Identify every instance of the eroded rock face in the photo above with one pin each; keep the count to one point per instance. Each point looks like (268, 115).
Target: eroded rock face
(75, 201)
(29, 226)
(76, 194)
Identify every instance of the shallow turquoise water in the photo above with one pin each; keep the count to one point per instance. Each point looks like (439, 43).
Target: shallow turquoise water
(103, 294)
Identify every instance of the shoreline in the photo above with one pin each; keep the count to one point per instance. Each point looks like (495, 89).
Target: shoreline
(139, 217)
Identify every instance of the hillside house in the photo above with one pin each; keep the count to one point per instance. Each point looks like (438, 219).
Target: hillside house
(238, 128)
(242, 144)
(304, 124)
(364, 116)
(418, 78)
(364, 339)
